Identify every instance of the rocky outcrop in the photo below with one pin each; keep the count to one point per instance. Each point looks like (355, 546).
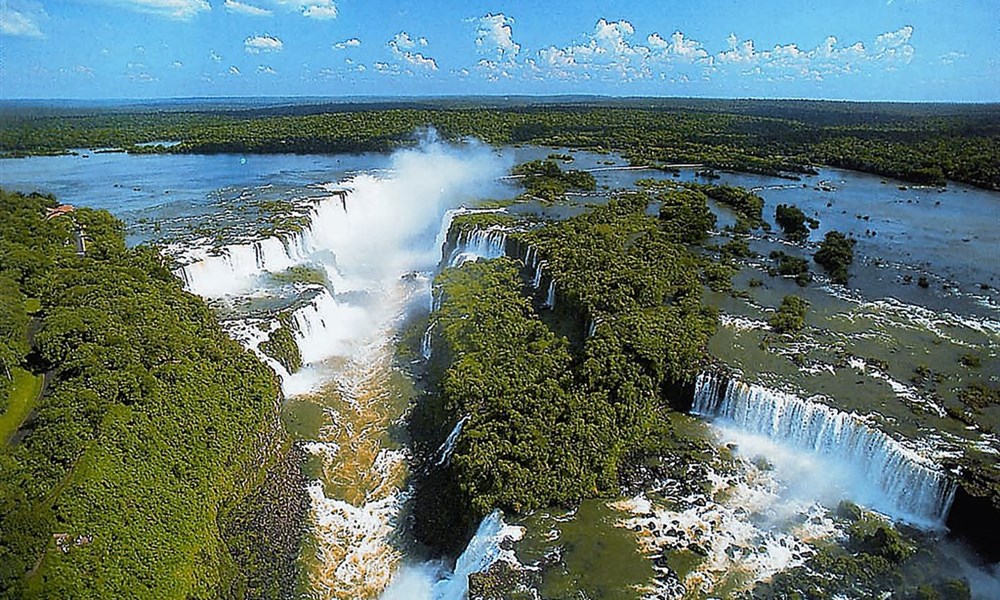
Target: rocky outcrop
(975, 513)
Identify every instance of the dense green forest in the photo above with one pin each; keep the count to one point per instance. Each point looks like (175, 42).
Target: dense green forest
(554, 417)
(921, 143)
(118, 475)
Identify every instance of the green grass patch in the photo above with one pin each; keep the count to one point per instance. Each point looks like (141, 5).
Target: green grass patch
(23, 397)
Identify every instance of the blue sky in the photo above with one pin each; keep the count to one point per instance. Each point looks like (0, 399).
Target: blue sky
(920, 50)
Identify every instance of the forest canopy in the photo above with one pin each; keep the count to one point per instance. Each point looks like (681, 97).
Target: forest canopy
(150, 425)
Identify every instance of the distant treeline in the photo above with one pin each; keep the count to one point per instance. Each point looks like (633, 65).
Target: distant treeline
(922, 143)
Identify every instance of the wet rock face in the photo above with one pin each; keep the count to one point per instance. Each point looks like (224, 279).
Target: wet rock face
(264, 533)
(975, 514)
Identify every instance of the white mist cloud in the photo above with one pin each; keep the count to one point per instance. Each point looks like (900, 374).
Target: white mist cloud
(392, 220)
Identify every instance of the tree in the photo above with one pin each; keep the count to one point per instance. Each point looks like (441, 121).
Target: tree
(835, 254)
(790, 316)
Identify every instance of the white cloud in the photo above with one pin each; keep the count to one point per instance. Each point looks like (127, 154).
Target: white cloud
(247, 10)
(607, 52)
(738, 52)
(84, 70)
(678, 46)
(266, 70)
(403, 41)
(182, 10)
(215, 57)
(262, 43)
(895, 46)
(233, 70)
(21, 19)
(313, 9)
(401, 45)
(177, 64)
(495, 36)
(320, 12)
(349, 43)
(949, 58)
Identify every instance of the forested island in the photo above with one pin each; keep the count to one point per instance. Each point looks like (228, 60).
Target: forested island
(925, 144)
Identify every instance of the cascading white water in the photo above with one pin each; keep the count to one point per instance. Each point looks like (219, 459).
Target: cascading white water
(426, 346)
(478, 244)
(909, 486)
(550, 296)
(448, 447)
(539, 269)
(432, 581)
(324, 327)
(530, 257)
(378, 256)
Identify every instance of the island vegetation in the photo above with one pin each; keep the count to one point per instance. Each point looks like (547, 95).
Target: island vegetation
(793, 222)
(835, 255)
(557, 402)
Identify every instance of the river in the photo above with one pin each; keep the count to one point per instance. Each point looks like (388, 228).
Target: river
(355, 278)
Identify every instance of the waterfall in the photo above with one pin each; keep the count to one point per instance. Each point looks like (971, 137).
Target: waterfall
(550, 297)
(324, 327)
(484, 549)
(912, 487)
(448, 447)
(430, 581)
(530, 256)
(425, 343)
(537, 281)
(478, 244)
(233, 268)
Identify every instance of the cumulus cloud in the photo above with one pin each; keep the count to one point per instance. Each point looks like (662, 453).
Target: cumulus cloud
(262, 43)
(84, 70)
(313, 9)
(677, 46)
(21, 19)
(266, 70)
(607, 52)
(349, 43)
(495, 36)
(610, 53)
(233, 70)
(403, 41)
(248, 10)
(182, 10)
(401, 46)
(895, 45)
(495, 40)
(177, 64)
(215, 57)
